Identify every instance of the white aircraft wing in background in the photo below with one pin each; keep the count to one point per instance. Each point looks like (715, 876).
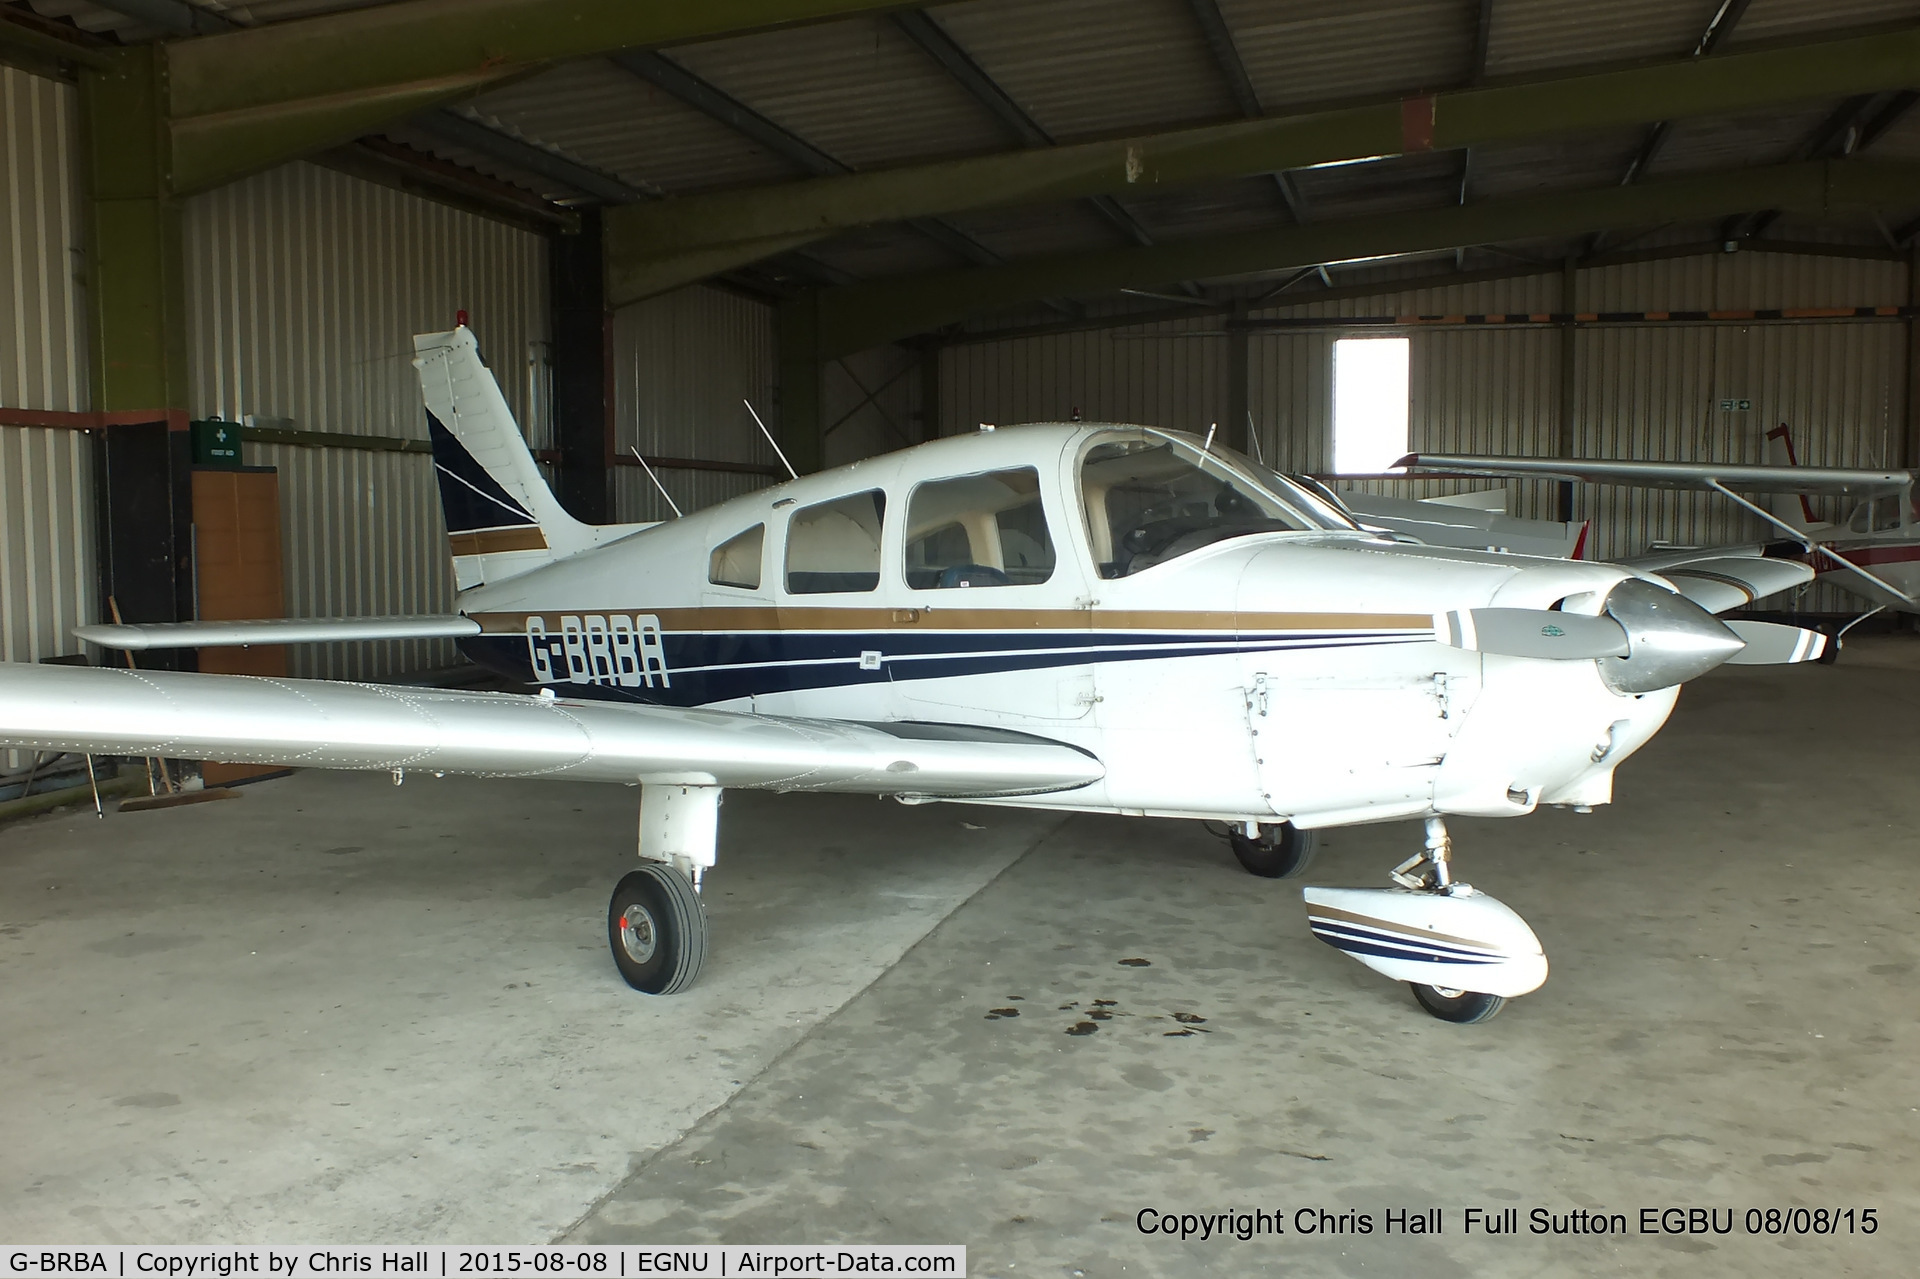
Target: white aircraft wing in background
(1713, 476)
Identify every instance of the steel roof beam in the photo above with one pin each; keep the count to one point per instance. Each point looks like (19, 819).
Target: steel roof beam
(865, 315)
(1226, 56)
(45, 46)
(1843, 132)
(717, 104)
(935, 41)
(244, 100)
(462, 130)
(176, 16)
(653, 235)
(1719, 27)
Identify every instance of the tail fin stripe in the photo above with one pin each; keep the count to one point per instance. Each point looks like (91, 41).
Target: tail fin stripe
(522, 517)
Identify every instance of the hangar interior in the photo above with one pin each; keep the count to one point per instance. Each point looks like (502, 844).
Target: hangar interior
(880, 224)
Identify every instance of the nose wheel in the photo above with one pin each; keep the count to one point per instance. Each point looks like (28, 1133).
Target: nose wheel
(657, 929)
(1465, 1007)
(1463, 952)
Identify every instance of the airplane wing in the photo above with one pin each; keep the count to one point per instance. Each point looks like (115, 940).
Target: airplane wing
(324, 724)
(1686, 475)
(1718, 578)
(276, 630)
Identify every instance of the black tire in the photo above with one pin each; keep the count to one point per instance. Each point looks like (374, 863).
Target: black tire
(1283, 851)
(1466, 1007)
(657, 930)
(1831, 653)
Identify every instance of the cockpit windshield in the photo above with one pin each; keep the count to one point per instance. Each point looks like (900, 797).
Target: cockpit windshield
(1152, 496)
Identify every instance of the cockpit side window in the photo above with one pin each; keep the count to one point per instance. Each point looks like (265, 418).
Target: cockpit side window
(1151, 497)
(978, 530)
(835, 546)
(736, 561)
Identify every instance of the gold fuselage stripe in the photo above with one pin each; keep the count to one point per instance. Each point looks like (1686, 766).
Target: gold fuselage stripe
(766, 618)
(489, 541)
(1390, 926)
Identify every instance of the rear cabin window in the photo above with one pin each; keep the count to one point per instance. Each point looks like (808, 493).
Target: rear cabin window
(978, 530)
(736, 561)
(835, 546)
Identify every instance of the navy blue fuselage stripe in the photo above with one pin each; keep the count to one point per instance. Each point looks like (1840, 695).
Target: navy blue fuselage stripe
(1353, 947)
(1329, 929)
(719, 666)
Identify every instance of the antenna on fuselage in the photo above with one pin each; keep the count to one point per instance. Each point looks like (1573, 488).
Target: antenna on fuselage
(1253, 437)
(1206, 445)
(793, 474)
(656, 481)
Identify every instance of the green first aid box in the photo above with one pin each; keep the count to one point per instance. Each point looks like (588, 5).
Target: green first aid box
(216, 443)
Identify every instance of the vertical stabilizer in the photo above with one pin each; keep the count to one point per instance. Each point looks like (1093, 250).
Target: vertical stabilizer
(1789, 508)
(502, 519)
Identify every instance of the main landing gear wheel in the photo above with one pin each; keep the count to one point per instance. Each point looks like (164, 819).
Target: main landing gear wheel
(657, 928)
(1282, 851)
(1463, 1006)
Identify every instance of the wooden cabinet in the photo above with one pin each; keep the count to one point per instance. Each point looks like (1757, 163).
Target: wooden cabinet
(237, 574)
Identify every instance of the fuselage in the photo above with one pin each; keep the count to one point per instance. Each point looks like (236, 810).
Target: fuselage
(1237, 667)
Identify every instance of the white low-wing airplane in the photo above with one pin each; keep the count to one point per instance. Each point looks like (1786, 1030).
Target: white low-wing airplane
(1064, 616)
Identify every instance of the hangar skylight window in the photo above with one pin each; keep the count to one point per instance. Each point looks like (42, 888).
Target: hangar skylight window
(1369, 404)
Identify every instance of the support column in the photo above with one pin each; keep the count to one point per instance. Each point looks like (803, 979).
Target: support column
(1237, 429)
(1912, 414)
(800, 415)
(1568, 390)
(135, 260)
(582, 367)
(930, 392)
(137, 322)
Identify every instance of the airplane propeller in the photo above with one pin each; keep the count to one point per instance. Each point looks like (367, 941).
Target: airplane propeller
(1531, 632)
(1648, 638)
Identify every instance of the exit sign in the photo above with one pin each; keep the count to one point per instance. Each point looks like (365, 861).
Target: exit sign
(1736, 406)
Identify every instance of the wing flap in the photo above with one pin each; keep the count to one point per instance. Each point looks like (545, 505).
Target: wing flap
(275, 630)
(324, 724)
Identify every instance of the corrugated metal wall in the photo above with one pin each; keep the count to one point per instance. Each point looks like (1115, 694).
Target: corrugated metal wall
(1172, 374)
(683, 362)
(47, 571)
(305, 287)
(1639, 392)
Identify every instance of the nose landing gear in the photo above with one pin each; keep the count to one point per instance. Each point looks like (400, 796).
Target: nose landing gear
(1464, 953)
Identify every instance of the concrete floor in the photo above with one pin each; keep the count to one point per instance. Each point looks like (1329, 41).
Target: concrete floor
(292, 1017)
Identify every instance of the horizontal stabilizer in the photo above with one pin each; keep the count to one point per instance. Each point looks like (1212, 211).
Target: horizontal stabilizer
(246, 719)
(1530, 632)
(276, 630)
(1837, 481)
(1772, 644)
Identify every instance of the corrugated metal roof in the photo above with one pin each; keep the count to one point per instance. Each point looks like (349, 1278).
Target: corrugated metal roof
(864, 93)
(1298, 54)
(620, 123)
(1087, 68)
(858, 90)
